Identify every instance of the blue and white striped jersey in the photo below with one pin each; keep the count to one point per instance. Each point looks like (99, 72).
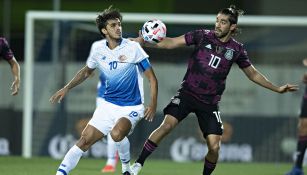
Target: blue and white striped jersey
(120, 71)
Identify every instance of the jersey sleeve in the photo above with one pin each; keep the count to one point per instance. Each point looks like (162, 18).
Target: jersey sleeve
(243, 60)
(5, 50)
(144, 65)
(195, 37)
(140, 54)
(91, 61)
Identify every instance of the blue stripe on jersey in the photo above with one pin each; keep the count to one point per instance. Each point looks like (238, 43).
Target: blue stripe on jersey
(144, 65)
(102, 87)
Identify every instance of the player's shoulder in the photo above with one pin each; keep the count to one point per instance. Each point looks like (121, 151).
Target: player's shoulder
(130, 43)
(202, 33)
(127, 41)
(99, 43)
(236, 44)
(3, 41)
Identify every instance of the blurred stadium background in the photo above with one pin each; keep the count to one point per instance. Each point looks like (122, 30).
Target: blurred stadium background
(260, 125)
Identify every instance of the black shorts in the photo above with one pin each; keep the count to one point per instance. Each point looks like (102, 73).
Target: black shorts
(208, 116)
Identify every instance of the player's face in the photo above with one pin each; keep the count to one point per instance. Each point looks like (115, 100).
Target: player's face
(223, 27)
(113, 29)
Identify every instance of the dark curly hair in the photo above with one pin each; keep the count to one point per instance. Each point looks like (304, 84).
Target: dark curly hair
(103, 17)
(233, 12)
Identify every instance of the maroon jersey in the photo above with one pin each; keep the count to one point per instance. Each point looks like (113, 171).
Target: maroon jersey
(209, 65)
(5, 51)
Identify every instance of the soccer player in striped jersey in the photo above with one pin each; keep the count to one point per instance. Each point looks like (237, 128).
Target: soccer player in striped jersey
(122, 62)
(215, 51)
(7, 54)
(302, 132)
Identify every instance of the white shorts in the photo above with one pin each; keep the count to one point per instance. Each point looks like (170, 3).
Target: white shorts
(106, 115)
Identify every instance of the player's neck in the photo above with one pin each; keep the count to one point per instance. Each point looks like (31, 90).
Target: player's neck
(225, 39)
(113, 43)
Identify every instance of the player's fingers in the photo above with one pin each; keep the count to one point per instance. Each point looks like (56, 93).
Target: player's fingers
(53, 98)
(15, 91)
(60, 99)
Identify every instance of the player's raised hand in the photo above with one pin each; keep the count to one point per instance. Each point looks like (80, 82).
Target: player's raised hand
(15, 87)
(287, 88)
(150, 113)
(138, 39)
(58, 96)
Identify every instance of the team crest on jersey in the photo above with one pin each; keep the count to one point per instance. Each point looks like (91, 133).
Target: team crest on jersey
(176, 101)
(122, 58)
(228, 54)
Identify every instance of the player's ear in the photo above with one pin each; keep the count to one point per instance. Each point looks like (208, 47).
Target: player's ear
(233, 27)
(104, 31)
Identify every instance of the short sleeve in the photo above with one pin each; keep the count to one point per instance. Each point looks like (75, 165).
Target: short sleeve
(91, 62)
(140, 54)
(195, 37)
(5, 50)
(144, 65)
(243, 61)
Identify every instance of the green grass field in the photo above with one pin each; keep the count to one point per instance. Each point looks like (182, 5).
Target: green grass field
(48, 166)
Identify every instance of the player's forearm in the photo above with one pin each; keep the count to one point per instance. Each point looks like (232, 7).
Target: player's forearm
(15, 68)
(264, 82)
(153, 92)
(16, 71)
(78, 79)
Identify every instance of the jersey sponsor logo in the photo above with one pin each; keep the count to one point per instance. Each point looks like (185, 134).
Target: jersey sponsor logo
(122, 58)
(228, 54)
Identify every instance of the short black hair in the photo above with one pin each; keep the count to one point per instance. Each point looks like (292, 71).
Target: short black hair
(107, 14)
(233, 12)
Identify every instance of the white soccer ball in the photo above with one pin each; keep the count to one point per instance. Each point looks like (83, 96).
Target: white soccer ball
(153, 31)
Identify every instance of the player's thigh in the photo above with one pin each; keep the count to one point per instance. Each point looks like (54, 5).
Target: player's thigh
(302, 126)
(209, 120)
(179, 108)
(127, 117)
(103, 117)
(121, 129)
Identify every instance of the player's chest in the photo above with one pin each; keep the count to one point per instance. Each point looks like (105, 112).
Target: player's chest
(215, 56)
(114, 61)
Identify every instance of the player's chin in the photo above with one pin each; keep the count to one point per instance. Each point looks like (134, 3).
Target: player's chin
(218, 33)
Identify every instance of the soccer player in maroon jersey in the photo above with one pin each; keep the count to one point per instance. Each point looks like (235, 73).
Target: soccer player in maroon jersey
(204, 82)
(7, 54)
(302, 132)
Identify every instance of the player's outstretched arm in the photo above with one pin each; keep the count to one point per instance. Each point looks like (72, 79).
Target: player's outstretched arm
(82, 75)
(166, 43)
(254, 75)
(16, 74)
(150, 110)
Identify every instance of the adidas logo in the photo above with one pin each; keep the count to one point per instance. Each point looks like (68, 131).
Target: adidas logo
(209, 46)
